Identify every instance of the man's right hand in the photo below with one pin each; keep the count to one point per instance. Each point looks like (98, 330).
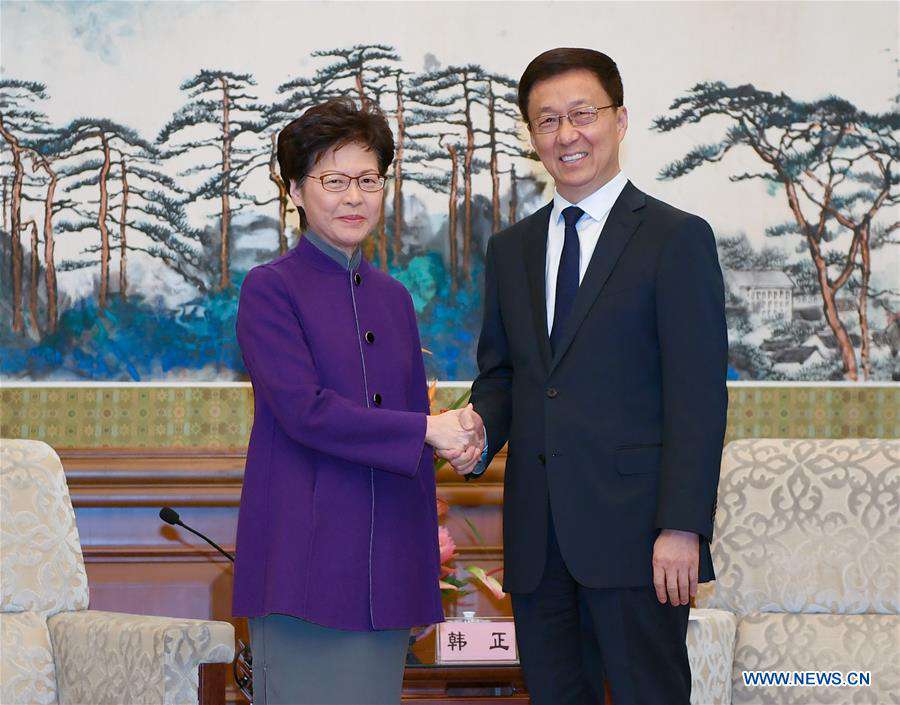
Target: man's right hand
(445, 432)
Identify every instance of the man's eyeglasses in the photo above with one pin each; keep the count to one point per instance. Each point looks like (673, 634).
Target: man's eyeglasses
(578, 117)
(341, 182)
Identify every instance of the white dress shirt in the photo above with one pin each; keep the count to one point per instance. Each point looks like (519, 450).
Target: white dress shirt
(596, 209)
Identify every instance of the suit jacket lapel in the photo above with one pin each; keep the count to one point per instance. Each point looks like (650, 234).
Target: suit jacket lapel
(623, 220)
(535, 243)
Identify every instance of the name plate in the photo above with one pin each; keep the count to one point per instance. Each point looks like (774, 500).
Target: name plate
(483, 641)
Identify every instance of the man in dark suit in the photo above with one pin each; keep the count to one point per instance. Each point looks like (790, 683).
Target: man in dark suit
(602, 361)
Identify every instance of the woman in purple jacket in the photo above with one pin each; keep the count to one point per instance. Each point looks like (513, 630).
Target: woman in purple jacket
(337, 548)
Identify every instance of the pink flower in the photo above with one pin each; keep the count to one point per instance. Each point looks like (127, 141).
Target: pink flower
(448, 549)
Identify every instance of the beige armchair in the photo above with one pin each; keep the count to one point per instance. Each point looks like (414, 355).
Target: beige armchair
(52, 648)
(807, 556)
(710, 643)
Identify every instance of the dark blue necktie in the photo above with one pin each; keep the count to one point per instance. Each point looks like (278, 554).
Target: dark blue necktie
(567, 276)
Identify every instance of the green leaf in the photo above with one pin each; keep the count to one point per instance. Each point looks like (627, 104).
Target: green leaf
(453, 580)
(474, 531)
(461, 400)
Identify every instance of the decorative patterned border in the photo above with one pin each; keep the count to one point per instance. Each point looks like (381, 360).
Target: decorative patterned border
(220, 417)
(128, 417)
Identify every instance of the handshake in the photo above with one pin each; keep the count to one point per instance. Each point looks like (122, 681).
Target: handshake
(458, 437)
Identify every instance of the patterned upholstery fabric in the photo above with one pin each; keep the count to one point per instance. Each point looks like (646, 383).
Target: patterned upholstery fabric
(807, 555)
(106, 658)
(819, 642)
(710, 642)
(78, 656)
(41, 567)
(807, 526)
(26, 660)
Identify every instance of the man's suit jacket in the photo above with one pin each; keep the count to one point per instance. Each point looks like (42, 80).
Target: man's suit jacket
(621, 430)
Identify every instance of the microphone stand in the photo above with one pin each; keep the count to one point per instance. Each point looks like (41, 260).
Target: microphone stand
(242, 667)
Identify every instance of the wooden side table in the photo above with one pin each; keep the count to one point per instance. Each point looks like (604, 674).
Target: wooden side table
(432, 684)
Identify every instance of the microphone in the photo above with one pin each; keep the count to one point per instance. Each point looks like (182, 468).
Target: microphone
(242, 666)
(170, 516)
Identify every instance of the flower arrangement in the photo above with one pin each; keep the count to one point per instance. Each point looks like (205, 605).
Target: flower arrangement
(451, 585)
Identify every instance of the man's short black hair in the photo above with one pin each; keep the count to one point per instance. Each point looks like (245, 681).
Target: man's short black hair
(562, 60)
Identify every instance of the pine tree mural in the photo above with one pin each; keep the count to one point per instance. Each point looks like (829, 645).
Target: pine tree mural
(22, 125)
(835, 165)
(219, 117)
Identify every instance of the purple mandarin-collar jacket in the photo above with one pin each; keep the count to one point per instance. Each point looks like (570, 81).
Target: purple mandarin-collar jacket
(338, 521)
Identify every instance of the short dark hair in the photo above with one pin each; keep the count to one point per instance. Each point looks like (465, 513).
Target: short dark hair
(334, 123)
(558, 61)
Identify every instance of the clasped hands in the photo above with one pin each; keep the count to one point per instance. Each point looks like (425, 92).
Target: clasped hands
(458, 437)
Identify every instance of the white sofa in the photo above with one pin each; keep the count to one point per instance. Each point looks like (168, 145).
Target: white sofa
(52, 648)
(807, 557)
(710, 642)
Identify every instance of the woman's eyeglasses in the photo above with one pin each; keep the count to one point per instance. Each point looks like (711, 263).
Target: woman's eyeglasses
(341, 182)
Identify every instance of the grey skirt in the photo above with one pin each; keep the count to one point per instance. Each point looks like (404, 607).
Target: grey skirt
(296, 662)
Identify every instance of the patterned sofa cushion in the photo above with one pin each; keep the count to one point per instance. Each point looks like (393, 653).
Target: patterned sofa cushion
(710, 642)
(109, 658)
(807, 526)
(27, 674)
(41, 567)
(818, 642)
